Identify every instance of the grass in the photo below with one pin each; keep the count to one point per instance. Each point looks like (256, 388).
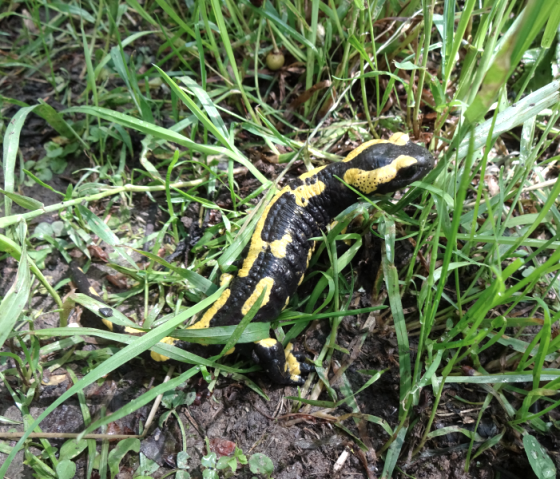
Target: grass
(188, 80)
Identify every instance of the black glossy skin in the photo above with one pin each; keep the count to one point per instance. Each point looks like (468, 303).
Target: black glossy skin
(303, 222)
(308, 222)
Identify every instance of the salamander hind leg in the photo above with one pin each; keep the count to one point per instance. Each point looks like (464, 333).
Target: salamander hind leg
(282, 365)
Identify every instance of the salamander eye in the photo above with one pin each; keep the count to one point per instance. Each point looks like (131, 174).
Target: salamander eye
(408, 172)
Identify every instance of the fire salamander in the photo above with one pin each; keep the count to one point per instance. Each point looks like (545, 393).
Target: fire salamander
(280, 250)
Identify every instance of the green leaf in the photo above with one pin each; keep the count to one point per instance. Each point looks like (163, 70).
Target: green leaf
(65, 469)
(97, 226)
(24, 201)
(223, 463)
(183, 460)
(95, 305)
(207, 104)
(393, 291)
(197, 281)
(268, 11)
(540, 461)
(147, 128)
(71, 448)
(146, 468)
(53, 149)
(393, 454)
(71, 10)
(551, 26)
(51, 116)
(407, 66)
(209, 460)
(261, 464)
(38, 181)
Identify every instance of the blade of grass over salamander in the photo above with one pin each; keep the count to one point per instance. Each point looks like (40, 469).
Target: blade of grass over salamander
(238, 331)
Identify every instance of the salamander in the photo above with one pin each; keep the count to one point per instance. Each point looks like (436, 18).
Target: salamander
(280, 248)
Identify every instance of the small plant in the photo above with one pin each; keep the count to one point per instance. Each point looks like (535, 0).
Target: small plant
(228, 459)
(53, 162)
(261, 464)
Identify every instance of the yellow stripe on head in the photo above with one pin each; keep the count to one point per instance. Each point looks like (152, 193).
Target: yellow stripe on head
(399, 139)
(368, 181)
(267, 343)
(364, 146)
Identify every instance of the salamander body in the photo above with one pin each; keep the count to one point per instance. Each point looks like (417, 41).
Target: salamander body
(280, 250)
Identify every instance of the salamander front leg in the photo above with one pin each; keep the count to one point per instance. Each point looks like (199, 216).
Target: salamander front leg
(282, 365)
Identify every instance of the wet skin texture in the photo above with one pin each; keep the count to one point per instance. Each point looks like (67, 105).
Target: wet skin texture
(280, 248)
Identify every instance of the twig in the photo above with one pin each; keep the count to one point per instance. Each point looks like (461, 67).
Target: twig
(157, 402)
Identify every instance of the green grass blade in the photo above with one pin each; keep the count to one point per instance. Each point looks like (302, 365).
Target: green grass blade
(16, 298)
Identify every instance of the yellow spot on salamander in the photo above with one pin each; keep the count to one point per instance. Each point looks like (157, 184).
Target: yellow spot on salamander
(225, 278)
(265, 282)
(311, 173)
(292, 364)
(278, 247)
(368, 181)
(267, 343)
(304, 192)
(399, 139)
(230, 351)
(130, 330)
(160, 357)
(204, 322)
(108, 324)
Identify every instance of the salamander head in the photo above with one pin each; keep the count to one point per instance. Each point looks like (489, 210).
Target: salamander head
(387, 166)
(413, 164)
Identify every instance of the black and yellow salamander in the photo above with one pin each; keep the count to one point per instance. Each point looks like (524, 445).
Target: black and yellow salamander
(280, 248)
